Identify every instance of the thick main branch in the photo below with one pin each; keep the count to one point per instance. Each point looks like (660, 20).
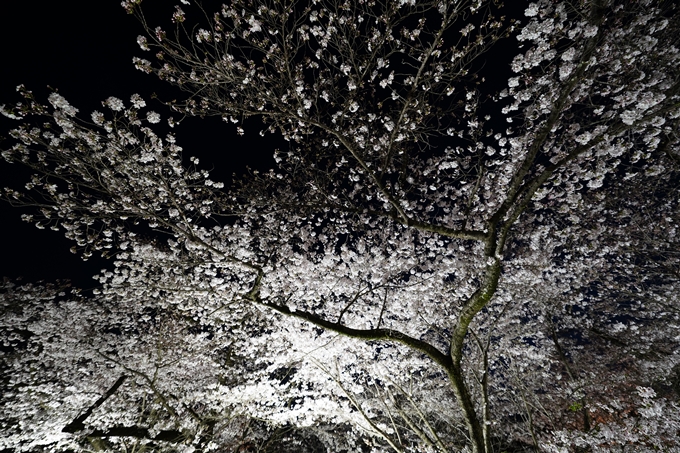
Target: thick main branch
(364, 334)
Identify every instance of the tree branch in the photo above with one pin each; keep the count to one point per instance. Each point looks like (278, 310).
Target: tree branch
(364, 334)
(78, 423)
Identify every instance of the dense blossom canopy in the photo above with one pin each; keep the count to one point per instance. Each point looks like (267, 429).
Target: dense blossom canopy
(435, 264)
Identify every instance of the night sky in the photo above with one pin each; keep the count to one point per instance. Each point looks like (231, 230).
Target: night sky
(84, 50)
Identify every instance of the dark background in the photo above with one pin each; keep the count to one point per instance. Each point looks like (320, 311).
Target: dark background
(84, 50)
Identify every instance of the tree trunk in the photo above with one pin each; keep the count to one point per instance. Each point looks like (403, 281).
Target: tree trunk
(465, 402)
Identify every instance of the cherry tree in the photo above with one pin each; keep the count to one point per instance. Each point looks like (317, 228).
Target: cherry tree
(433, 265)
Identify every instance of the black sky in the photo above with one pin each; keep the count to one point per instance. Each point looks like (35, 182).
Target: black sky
(84, 50)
